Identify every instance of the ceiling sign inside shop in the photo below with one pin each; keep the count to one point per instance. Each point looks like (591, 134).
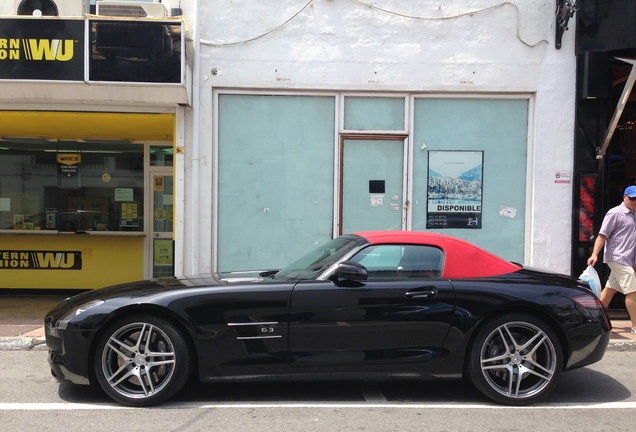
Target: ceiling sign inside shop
(68, 163)
(42, 49)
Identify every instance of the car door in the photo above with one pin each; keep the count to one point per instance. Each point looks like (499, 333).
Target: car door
(401, 313)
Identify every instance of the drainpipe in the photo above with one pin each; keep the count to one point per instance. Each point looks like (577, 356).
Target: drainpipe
(194, 214)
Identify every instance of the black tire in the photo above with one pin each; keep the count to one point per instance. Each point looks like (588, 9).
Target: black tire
(142, 360)
(515, 359)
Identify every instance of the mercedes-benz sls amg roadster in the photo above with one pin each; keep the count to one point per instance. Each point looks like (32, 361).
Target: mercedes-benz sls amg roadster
(366, 306)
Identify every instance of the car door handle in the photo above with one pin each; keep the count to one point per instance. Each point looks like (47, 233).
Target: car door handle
(419, 293)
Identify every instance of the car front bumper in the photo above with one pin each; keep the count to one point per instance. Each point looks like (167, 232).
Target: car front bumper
(69, 354)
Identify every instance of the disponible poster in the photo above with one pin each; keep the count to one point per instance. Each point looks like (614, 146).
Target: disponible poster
(454, 189)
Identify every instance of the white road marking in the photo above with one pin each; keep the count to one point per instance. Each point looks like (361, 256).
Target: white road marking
(372, 393)
(233, 405)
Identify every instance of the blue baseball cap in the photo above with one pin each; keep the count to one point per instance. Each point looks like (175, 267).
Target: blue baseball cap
(630, 191)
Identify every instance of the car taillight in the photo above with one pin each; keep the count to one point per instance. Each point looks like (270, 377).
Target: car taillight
(588, 301)
(591, 302)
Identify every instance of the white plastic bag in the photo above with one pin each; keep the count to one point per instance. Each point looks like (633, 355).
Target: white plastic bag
(590, 276)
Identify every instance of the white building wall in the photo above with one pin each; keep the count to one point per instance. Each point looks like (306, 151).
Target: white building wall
(472, 47)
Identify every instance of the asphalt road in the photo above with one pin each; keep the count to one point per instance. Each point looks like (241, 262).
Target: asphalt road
(601, 397)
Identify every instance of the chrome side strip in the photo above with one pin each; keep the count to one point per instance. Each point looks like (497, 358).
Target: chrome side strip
(259, 337)
(267, 328)
(252, 323)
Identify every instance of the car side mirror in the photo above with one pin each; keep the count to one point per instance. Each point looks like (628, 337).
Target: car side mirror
(349, 270)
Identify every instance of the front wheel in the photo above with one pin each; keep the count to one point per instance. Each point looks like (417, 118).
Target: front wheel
(141, 361)
(515, 360)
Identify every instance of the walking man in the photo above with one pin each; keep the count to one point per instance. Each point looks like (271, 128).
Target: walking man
(618, 235)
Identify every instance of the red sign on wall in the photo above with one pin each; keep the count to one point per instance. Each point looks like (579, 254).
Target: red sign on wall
(586, 207)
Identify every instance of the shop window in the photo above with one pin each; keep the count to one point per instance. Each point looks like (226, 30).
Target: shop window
(161, 156)
(71, 185)
(374, 113)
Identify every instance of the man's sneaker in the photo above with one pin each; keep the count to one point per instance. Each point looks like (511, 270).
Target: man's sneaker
(632, 331)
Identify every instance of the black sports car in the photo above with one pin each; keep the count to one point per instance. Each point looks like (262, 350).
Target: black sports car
(371, 305)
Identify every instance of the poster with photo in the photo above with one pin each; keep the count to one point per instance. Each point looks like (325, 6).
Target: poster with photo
(454, 189)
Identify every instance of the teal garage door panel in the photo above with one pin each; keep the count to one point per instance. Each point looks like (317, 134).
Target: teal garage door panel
(275, 171)
(499, 128)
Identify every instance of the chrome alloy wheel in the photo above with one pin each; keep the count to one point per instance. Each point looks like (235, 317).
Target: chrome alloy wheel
(518, 360)
(138, 360)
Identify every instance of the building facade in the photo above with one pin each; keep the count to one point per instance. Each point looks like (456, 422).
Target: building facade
(314, 118)
(90, 114)
(290, 123)
(605, 138)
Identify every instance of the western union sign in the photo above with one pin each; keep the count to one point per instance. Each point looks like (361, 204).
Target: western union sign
(37, 49)
(40, 260)
(50, 49)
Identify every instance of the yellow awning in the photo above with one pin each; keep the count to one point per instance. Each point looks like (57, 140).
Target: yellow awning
(86, 126)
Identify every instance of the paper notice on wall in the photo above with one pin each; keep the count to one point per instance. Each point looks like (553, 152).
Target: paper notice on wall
(508, 212)
(563, 177)
(377, 200)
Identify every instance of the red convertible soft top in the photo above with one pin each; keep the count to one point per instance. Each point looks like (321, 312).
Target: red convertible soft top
(462, 259)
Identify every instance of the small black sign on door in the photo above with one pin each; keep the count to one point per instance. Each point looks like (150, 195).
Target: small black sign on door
(376, 186)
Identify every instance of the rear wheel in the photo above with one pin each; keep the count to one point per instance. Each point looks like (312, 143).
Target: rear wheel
(515, 359)
(141, 361)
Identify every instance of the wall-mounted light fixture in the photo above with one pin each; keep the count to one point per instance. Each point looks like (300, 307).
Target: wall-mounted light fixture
(565, 9)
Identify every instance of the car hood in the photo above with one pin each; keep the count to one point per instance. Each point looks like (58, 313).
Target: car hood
(150, 287)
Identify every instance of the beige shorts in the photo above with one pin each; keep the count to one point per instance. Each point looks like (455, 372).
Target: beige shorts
(622, 278)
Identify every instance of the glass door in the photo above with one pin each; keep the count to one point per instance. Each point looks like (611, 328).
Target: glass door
(372, 184)
(162, 239)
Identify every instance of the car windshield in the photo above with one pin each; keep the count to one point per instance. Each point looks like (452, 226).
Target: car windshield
(312, 264)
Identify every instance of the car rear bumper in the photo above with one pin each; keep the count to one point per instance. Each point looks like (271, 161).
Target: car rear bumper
(588, 344)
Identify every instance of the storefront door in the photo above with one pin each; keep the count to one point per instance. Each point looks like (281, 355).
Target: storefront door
(161, 237)
(372, 184)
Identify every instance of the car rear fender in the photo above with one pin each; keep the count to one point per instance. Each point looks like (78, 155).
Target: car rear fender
(518, 309)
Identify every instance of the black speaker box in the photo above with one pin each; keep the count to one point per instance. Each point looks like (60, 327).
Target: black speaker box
(594, 77)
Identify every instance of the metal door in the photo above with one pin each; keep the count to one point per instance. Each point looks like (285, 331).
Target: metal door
(372, 192)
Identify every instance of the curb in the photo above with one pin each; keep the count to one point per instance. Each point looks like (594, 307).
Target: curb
(622, 345)
(23, 344)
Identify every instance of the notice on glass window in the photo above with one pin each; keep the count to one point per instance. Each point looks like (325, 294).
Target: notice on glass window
(163, 252)
(124, 194)
(454, 189)
(129, 214)
(5, 204)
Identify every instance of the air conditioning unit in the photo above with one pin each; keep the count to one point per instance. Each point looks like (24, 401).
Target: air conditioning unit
(73, 8)
(62, 8)
(130, 9)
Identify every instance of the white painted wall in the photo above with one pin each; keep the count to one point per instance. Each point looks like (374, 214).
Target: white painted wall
(444, 47)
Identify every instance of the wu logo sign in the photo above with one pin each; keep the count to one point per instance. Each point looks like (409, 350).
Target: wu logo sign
(37, 49)
(42, 49)
(48, 49)
(40, 260)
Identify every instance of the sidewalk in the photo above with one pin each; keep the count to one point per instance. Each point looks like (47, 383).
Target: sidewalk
(21, 320)
(21, 324)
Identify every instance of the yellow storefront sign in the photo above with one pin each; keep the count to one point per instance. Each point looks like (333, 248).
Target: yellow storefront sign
(70, 261)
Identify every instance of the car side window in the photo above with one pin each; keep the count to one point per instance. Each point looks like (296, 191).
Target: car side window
(401, 261)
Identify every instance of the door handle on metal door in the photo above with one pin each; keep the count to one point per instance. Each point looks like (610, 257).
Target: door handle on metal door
(426, 292)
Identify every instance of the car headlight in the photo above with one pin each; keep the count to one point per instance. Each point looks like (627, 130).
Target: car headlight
(78, 310)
